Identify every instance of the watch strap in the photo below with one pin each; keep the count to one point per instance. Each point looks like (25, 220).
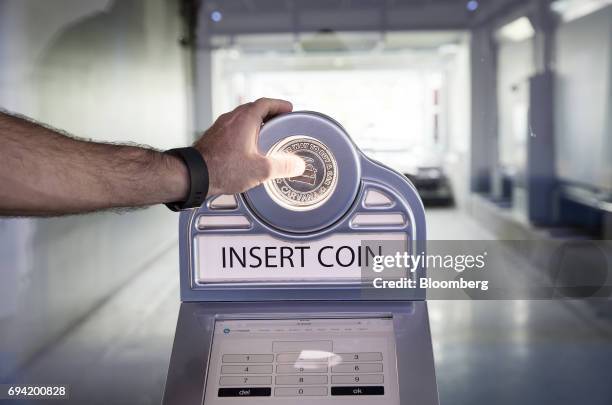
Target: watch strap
(198, 178)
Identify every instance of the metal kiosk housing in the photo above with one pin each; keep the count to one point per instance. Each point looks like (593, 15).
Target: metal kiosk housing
(369, 198)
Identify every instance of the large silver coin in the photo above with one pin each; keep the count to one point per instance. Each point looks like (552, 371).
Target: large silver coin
(316, 185)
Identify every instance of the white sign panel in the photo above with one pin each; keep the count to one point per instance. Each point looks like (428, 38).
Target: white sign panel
(226, 258)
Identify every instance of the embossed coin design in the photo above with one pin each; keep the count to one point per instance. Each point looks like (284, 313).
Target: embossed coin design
(316, 185)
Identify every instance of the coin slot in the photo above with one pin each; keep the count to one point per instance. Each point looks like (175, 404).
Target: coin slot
(307, 212)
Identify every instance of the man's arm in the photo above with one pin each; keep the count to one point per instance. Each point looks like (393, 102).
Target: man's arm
(44, 172)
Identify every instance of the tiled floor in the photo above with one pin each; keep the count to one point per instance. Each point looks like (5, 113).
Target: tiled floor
(486, 352)
(521, 352)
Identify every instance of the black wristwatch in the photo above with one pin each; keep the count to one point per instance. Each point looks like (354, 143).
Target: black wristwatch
(198, 178)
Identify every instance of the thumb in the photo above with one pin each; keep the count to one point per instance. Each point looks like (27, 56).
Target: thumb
(285, 165)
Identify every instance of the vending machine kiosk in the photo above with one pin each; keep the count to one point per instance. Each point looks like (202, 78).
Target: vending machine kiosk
(278, 306)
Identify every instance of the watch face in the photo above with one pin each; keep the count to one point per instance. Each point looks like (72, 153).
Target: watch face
(316, 185)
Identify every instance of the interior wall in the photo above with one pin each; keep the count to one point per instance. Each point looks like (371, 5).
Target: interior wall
(583, 100)
(483, 111)
(515, 67)
(107, 70)
(458, 124)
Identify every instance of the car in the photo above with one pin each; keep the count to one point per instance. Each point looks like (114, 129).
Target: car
(423, 168)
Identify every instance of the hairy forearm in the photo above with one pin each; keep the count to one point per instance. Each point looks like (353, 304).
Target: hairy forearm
(44, 172)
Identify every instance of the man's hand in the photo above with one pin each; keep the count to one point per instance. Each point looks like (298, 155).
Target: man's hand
(229, 148)
(45, 172)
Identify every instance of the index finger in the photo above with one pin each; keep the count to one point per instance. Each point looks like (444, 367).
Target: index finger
(268, 107)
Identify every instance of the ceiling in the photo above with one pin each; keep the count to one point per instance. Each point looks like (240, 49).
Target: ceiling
(233, 17)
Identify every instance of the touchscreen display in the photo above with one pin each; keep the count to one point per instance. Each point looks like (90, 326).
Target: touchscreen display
(315, 361)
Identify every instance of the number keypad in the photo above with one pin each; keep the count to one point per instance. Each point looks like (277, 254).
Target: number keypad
(293, 375)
